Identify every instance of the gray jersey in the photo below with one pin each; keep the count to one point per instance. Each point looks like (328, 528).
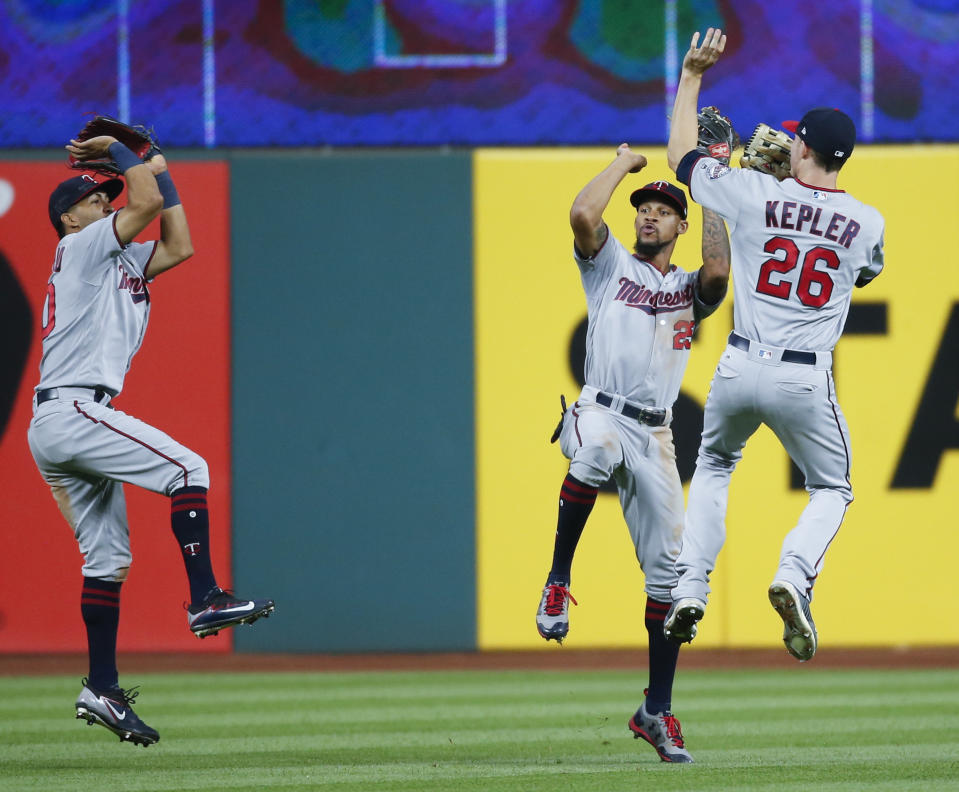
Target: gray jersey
(97, 307)
(640, 324)
(797, 252)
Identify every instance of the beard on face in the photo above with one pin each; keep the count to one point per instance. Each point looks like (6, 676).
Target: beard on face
(648, 250)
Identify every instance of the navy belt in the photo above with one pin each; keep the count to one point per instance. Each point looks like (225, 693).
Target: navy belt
(646, 415)
(49, 394)
(788, 355)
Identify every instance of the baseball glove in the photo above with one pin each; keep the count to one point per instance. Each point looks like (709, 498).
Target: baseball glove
(717, 138)
(767, 151)
(139, 139)
(562, 417)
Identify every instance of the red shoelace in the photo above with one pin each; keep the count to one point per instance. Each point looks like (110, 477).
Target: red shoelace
(556, 597)
(673, 730)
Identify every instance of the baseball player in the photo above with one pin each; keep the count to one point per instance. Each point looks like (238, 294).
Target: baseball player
(642, 312)
(798, 248)
(93, 322)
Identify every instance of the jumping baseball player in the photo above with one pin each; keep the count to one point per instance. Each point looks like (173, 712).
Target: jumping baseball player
(93, 322)
(642, 312)
(799, 246)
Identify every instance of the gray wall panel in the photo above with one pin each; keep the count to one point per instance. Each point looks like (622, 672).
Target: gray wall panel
(353, 400)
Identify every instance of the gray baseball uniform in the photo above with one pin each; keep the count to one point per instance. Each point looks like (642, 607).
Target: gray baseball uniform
(797, 252)
(94, 320)
(640, 329)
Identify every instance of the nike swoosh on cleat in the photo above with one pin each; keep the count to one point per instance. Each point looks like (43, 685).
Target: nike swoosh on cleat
(238, 608)
(113, 710)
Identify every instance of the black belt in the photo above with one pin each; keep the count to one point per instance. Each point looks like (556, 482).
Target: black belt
(788, 355)
(651, 416)
(48, 394)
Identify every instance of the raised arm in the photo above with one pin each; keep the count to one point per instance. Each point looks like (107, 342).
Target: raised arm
(175, 245)
(144, 201)
(683, 127)
(714, 274)
(586, 214)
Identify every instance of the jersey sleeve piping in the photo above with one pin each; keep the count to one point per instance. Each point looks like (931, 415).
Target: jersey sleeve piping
(146, 267)
(113, 223)
(584, 259)
(685, 168)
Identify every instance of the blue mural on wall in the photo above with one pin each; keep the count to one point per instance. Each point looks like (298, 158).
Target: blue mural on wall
(464, 72)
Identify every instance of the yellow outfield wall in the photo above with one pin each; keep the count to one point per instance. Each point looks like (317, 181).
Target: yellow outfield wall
(888, 575)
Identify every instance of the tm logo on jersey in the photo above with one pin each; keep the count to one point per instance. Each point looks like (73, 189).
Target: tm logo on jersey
(136, 286)
(635, 295)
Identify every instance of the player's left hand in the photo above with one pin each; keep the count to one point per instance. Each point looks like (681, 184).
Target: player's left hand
(698, 59)
(92, 148)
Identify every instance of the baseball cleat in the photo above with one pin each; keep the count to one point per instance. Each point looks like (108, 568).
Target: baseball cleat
(663, 732)
(799, 630)
(221, 609)
(111, 708)
(680, 623)
(552, 618)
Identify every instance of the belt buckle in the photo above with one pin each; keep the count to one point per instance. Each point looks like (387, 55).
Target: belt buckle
(652, 417)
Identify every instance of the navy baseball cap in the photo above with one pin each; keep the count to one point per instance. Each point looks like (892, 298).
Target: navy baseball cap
(75, 190)
(827, 130)
(661, 191)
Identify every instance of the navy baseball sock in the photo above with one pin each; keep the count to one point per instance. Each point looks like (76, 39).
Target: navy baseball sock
(576, 501)
(191, 526)
(100, 608)
(663, 655)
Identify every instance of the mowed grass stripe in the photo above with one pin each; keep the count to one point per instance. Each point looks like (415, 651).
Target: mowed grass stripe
(409, 685)
(490, 744)
(768, 769)
(377, 687)
(778, 730)
(201, 712)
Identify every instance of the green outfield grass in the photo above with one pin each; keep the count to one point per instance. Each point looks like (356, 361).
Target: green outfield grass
(470, 730)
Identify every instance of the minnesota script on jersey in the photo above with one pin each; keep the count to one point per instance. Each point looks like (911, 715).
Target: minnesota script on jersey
(641, 324)
(96, 310)
(797, 252)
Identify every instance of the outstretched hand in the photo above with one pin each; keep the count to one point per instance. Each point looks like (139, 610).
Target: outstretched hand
(698, 59)
(637, 161)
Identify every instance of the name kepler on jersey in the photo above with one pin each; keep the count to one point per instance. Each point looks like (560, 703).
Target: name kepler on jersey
(793, 215)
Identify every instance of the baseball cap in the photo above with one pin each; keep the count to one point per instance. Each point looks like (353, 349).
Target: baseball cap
(827, 130)
(76, 189)
(661, 191)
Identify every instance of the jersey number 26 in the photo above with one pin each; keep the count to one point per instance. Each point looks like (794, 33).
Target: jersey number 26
(814, 286)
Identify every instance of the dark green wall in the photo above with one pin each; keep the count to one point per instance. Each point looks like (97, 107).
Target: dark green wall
(353, 463)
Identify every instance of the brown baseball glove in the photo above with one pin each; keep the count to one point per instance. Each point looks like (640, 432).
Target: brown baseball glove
(767, 151)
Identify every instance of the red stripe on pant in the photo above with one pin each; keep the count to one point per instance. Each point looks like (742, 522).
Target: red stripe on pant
(135, 440)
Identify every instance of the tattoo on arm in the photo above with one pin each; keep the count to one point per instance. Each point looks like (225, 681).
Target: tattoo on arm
(600, 234)
(715, 240)
(714, 274)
